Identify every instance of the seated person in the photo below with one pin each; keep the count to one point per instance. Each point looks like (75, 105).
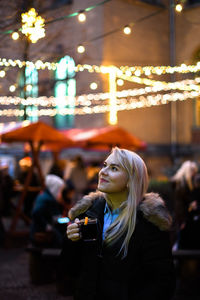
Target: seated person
(48, 205)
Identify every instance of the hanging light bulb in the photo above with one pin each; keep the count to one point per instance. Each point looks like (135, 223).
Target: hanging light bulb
(127, 29)
(179, 7)
(80, 49)
(29, 87)
(15, 35)
(120, 82)
(93, 86)
(2, 73)
(12, 88)
(81, 16)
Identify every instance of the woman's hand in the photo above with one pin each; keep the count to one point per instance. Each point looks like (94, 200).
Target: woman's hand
(73, 231)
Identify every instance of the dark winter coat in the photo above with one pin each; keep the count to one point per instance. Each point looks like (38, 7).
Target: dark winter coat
(146, 273)
(44, 210)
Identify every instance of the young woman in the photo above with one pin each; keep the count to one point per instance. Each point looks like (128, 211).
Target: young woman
(131, 257)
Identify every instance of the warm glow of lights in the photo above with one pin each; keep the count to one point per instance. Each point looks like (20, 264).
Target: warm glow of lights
(15, 35)
(81, 17)
(29, 87)
(2, 73)
(120, 82)
(179, 7)
(177, 85)
(99, 98)
(93, 86)
(129, 71)
(127, 30)
(32, 25)
(112, 102)
(12, 88)
(80, 49)
(122, 104)
(137, 73)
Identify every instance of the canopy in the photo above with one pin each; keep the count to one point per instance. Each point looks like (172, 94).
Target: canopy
(105, 138)
(36, 132)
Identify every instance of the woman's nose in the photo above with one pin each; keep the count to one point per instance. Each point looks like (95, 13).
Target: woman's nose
(103, 171)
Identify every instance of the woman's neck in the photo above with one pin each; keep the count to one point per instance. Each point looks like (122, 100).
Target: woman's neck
(116, 199)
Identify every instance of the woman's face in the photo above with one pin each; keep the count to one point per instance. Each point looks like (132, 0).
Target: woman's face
(112, 177)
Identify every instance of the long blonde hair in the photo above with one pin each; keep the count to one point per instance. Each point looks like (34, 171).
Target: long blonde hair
(185, 173)
(124, 225)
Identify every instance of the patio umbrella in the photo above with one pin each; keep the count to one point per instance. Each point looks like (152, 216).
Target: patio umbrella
(105, 138)
(35, 134)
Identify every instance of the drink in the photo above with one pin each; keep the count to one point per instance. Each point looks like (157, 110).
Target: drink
(88, 228)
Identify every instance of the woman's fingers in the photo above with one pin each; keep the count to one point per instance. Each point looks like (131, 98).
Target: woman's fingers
(73, 231)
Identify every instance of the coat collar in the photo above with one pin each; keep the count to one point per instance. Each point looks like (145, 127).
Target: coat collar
(152, 207)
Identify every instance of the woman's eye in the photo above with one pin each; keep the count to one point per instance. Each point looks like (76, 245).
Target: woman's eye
(114, 168)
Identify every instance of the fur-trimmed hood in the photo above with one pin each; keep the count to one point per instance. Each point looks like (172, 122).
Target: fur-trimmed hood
(152, 206)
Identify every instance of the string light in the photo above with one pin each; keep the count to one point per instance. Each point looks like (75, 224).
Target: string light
(2, 73)
(159, 70)
(177, 85)
(178, 7)
(120, 82)
(147, 70)
(80, 49)
(32, 25)
(89, 99)
(93, 86)
(127, 29)
(18, 63)
(29, 87)
(15, 35)
(121, 104)
(12, 88)
(81, 16)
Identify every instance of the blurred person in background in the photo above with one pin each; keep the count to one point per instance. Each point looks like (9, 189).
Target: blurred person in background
(78, 178)
(7, 184)
(92, 175)
(183, 182)
(48, 205)
(58, 168)
(25, 165)
(189, 234)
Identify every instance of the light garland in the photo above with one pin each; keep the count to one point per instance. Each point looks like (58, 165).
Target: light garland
(89, 99)
(136, 70)
(177, 85)
(159, 70)
(121, 104)
(39, 65)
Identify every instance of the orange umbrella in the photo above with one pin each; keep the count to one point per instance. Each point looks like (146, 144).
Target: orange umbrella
(36, 132)
(105, 138)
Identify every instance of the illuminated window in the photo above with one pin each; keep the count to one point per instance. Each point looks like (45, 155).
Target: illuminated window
(65, 85)
(28, 84)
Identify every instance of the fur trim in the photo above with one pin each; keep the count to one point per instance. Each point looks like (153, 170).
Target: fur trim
(154, 210)
(152, 207)
(82, 205)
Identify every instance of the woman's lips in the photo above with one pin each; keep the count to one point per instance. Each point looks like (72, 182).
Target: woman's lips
(103, 180)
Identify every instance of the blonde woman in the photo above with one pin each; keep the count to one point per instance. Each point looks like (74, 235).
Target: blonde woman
(183, 184)
(131, 257)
